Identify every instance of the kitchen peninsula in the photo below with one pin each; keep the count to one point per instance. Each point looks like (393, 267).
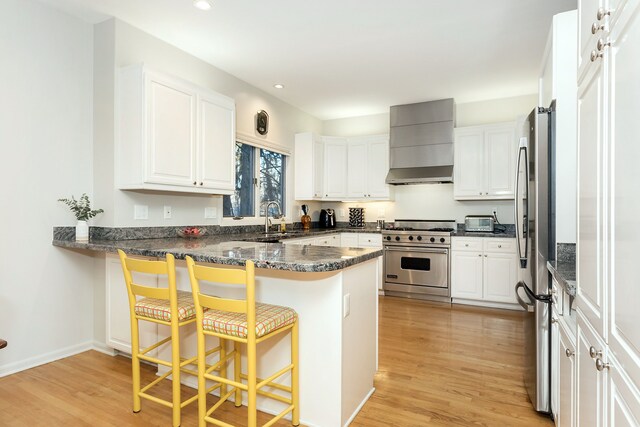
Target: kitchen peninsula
(334, 290)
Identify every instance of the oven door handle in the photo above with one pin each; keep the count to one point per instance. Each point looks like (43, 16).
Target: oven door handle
(415, 249)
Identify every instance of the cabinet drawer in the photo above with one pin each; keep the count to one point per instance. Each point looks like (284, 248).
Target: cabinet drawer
(500, 245)
(471, 244)
(349, 240)
(370, 240)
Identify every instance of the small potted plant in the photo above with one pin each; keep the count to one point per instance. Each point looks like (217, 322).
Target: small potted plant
(82, 210)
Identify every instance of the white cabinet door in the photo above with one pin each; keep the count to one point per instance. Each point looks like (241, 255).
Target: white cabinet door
(357, 169)
(378, 167)
(623, 408)
(369, 240)
(590, 383)
(349, 240)
(624, 90)
(565, 416)
(589, 268)
(500, 277)
(466, 275)
(469, 172)
(318, 169)
(555, 364)
(500, 161)
(216, 142)
(118, 321)
(335, 168)
(171, 133)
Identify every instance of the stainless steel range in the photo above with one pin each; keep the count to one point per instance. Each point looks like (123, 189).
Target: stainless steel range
(416, 259)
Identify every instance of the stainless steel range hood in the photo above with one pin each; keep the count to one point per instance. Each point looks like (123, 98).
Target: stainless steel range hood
(421, 143)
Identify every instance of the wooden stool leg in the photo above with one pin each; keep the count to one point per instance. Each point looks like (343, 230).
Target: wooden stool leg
(175, 372)
(295, 376)
(237, 366)
(202, 383)
(135, 364)
(223, 367)
(252, 382)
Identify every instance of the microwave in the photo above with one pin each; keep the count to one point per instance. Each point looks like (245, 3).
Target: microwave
(481, 223)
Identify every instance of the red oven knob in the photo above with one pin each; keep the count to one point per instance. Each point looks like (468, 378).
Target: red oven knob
(442, 240)
(397, 238)
(432, 239)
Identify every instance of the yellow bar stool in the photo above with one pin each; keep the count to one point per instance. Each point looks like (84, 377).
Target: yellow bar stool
(241, 321)
(164, 306)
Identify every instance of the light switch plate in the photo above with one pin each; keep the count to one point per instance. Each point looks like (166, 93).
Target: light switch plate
(342, 213)
(210, 213)
(167, 212)
(140, 212)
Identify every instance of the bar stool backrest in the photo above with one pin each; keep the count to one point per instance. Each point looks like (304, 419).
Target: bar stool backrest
(163, 268)
(227, 276)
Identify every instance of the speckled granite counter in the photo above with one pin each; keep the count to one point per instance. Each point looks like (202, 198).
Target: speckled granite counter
(565, 275)
(509, 232)
(236, 249)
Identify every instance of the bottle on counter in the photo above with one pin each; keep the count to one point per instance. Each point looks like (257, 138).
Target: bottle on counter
(283, 224)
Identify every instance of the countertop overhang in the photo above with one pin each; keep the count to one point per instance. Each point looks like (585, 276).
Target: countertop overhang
(236, 249)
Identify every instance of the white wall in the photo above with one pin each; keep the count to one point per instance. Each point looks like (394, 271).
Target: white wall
(46, 293)
(431, 201)
(119, 44)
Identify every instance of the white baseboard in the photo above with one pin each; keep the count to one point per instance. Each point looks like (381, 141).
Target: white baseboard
(353, 416)
(103, 348)
(52, 356)
(502, 305)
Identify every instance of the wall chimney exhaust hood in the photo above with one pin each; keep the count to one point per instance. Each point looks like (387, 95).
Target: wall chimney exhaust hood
(421, 143)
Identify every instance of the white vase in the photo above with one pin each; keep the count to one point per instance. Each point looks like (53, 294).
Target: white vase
(82, 231)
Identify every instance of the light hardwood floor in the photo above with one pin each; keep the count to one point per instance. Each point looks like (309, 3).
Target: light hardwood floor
(439, 366)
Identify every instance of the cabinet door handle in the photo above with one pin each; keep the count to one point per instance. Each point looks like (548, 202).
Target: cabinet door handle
(595, 27)
(554, 320)
(602, 13)
(195, 183)
(466, 244)
(569, 353)
(480, 193)
(480, 255)
(601, 366)
(593, 353)
(499, 246)
(201, 183)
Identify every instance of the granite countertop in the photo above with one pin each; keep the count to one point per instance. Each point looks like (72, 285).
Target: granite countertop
(236, 249)
(509, 232)
(565, 274)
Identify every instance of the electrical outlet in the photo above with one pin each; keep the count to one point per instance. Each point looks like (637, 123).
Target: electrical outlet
(381, 213)
(140, 212)
(167, 212)
(342, 213)
(210, 213)
(346, 305)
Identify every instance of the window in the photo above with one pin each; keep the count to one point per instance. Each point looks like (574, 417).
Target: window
(260, 177)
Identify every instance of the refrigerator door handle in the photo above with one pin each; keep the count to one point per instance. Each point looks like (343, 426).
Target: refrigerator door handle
(528, 306)
(525, 216)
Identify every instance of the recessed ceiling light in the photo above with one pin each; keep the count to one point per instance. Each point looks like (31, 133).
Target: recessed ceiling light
(202, 4)
(278, 86)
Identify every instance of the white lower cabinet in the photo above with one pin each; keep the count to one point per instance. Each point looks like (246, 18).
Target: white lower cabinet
(623, 408)
(349, 240)
(590, 383)
(329, 240)
(563, 372)
(118, 323)
(484, 271)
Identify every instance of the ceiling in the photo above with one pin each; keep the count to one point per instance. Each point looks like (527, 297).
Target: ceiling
(344, 58)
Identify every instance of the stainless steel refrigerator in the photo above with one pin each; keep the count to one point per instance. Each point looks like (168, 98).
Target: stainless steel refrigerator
(535, 238)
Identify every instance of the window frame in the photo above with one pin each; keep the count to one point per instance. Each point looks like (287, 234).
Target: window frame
(256, 219)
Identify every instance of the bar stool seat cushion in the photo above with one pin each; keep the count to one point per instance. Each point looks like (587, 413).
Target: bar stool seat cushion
(268, 319)
(160, 309)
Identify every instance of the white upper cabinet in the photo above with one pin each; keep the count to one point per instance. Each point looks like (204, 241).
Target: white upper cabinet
(335, 168)
(368, 164)
(172, 135)
(484, 162)
(309, 167)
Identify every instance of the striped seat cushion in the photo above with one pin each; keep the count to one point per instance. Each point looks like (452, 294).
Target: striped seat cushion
(268, 319)
(161, 310)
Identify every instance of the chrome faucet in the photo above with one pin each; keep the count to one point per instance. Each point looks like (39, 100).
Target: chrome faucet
(266, 214)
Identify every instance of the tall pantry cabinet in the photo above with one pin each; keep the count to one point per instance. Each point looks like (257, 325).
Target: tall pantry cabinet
(608, 341)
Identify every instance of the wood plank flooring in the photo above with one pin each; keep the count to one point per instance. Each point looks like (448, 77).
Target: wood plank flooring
(438, 366)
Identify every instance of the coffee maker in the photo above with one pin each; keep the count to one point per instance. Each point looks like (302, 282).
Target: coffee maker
(327, 218)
